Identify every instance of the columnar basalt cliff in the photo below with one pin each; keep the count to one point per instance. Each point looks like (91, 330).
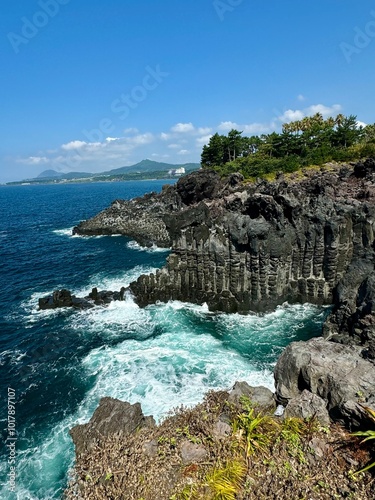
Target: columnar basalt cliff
(249, 247)
(244, 247)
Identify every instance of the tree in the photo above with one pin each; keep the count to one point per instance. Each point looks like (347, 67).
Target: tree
(347, 132)
(213, 153)
(233, 145)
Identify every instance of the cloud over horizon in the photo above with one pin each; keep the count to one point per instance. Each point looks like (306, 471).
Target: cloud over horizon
(183, 139)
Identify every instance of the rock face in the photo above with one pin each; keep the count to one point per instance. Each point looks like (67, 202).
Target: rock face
(64, 298)
(306, 406)
(140, 218)
(336, 373)
(112, 417)
(251, 247)
(260, 396)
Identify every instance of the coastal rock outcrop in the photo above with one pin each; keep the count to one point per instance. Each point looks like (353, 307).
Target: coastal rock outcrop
(250, 247)
(111, 418)
(241, 247)
(335, 372)
(64, 298)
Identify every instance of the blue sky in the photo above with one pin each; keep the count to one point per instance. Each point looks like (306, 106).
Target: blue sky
(91, 85)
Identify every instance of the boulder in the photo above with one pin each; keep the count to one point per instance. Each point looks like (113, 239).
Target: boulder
(260, 396)
(336, 373)
(198, 186)
(112, 417)
(59, 298)
(193, 453)
(307, 406)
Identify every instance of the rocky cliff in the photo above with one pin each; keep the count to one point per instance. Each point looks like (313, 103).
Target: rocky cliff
(248, 247)
(243, 247)
(140, 218)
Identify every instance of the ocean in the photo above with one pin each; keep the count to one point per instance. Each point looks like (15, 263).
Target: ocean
(56, 365)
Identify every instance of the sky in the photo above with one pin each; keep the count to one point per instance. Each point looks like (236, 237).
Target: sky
(92, 85)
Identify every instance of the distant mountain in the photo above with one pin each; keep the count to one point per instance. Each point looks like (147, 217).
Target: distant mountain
(149, 166)
(48, 174)
(143, 167)
(76, 175)
(52, 174)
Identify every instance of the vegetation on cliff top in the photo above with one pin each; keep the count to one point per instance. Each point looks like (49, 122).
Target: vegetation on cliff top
(310, 141)
(226, 451)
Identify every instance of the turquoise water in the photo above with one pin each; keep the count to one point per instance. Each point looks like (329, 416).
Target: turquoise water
(60, 363)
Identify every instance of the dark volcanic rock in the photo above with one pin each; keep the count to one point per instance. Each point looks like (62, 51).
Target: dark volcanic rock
(353, 317)
(364, 169)
(243, 247)
(334, 372)
(140, 218)
(259, 395)
(251, 247)
(59, 298)
(112, 417)
(64, 298)
(307, 406)
(195, 188)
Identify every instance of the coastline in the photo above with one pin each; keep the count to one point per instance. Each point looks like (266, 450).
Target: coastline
(181, 207)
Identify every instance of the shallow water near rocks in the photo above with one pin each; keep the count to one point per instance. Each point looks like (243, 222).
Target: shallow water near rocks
(61, 362)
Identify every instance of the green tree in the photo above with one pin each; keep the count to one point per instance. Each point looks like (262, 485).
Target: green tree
(213, 153)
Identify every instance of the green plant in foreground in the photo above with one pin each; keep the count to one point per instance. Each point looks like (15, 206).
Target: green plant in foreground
(368, 435)
(225, 482)
(256, 428)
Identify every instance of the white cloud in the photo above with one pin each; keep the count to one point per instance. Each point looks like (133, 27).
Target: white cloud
(249, 129)
(111, 139)
(34, 160)
(201, 141)
(226, 126)
(361, 124)
(204, 130)
(165, 137)
(301, 97)
(256, 128)
(174, 146)
(291, 115)
(146, 138)
(183, 128)
(73, 145)
(326, 111)
(183, 152)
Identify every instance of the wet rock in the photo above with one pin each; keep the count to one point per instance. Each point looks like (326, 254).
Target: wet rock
(59, 298)
(64, 298)
(112, 417)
